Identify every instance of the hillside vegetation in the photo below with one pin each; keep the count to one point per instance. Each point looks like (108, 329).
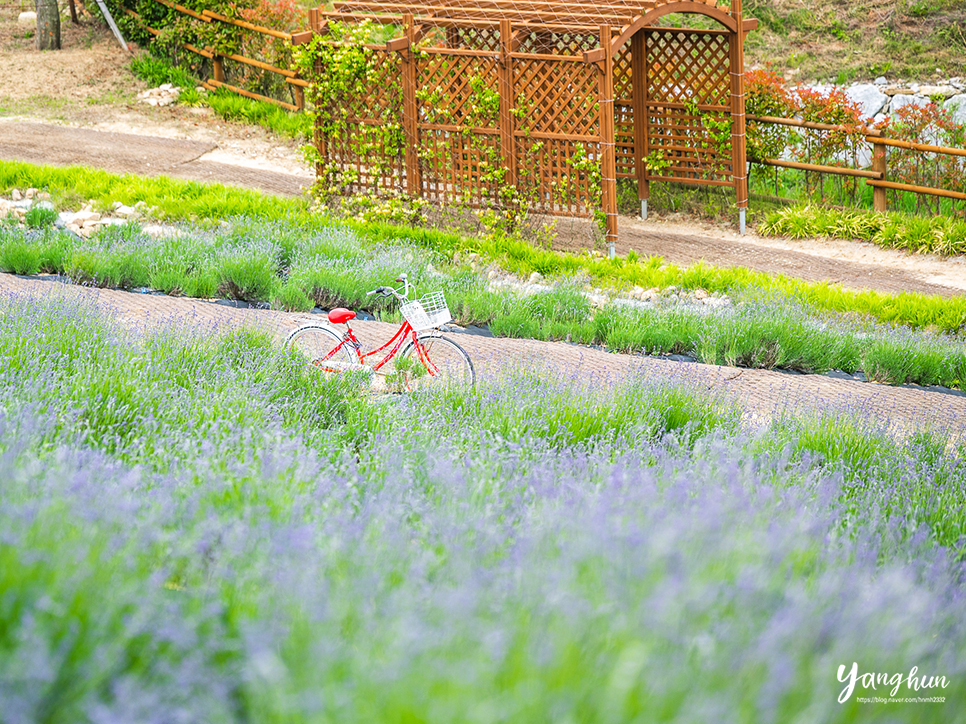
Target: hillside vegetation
(848, 40)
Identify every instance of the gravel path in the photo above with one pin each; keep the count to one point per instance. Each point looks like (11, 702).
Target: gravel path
(762, 394)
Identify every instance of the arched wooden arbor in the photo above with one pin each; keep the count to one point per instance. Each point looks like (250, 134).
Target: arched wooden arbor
(563, 99)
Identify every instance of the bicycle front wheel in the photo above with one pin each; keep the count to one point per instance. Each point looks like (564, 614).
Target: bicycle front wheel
(435, 360)
(320, 347)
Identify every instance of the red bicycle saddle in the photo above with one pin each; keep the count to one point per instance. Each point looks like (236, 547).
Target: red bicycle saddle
(340, 315)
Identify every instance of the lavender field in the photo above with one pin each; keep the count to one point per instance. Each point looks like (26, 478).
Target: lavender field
(194, 528)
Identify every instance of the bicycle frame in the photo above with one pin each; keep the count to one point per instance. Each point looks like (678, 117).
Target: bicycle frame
(404, 332)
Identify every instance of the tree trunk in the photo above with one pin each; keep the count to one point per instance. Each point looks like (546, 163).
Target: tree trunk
(48, 25)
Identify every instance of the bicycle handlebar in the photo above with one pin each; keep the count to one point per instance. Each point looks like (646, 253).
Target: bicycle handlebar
(390, 292)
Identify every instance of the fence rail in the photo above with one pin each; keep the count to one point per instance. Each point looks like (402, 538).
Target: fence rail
(877, 176)
(218, 79)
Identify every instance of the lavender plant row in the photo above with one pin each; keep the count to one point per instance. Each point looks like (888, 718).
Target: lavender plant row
(259, 261)
(195, 529)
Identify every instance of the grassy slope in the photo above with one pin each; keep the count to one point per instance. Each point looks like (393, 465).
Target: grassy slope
(843, 40)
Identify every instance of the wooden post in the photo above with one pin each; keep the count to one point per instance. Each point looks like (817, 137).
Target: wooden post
(639, 95)
(508, 148)
(880, 163)
(218, 68)
(410, 110)
(73, 13)
(608, 150)
(739, 157)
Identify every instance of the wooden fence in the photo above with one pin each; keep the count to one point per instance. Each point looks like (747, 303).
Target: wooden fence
(218, 75)
(877, 174)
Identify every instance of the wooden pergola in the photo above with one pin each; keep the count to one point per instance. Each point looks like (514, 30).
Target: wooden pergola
(587, 93)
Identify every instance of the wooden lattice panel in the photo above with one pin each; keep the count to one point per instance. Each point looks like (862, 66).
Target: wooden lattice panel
(360, 157)
(685, 66)
(624, 113)
(458, 127)
(688, 89)
(450, 89)
(473, 38)
(550, 43)
(550, 180)
(556, 97)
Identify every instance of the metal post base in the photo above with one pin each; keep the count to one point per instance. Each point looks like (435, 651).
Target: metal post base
(643, 209)
(741, 222)
(610, 249)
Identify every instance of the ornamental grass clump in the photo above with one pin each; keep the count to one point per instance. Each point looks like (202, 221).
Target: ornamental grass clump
(116, 256)
(246, 267)
(33, 252)
(250, 541)
(335, 267)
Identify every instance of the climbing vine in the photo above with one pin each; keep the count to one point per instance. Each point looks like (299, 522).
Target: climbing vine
(357, 102)
(344, 69)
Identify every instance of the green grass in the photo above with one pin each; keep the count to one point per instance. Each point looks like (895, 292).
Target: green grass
(228, 105)
(169, 199)
(176, 200)
(933, 235)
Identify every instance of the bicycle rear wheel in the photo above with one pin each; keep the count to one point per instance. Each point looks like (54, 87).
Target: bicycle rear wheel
(317, 343)
(435, 361)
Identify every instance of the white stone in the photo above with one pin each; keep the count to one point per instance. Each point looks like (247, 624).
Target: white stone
(957, 106)
(16, 195)
(125, 212)
(535, 277)
(929, 91)
(31, 192)
(901, 101)
(700, 294)
(870, 99)
(881, 80)
(82, 217)
(27, 19)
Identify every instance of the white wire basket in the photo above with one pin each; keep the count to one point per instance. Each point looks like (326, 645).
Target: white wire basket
(429, 312)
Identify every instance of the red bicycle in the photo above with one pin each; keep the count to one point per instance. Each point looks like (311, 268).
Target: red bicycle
(421, 354)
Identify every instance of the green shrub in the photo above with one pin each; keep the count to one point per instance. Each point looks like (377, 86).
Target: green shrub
(38, 217)
(292, 298)
(19, 255)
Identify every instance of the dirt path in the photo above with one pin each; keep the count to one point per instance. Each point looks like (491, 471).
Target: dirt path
(44, 143)
(761, 394)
